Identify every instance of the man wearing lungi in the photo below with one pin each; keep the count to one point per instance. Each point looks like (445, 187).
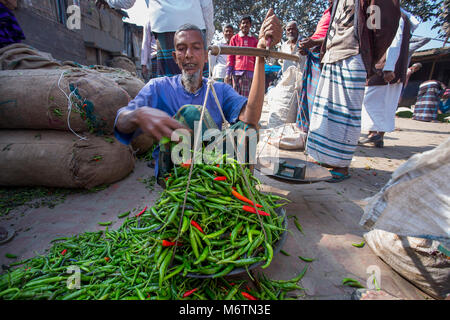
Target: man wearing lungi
(384, 88)
(310, 48)
(240, 68)
(359, 34)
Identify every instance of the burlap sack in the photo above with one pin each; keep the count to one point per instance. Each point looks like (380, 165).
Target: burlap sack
(142, 143)
(419, 260)
(131, 84)
(22, 56)
(123, 62)
(53, 158)
(32, 99)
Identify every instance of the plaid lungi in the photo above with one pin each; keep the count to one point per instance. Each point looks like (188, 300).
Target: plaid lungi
(188, 115)
(311, 75)
(335, 124)
(10, 31)
(242, 83)
(166, 65)
(427, 103)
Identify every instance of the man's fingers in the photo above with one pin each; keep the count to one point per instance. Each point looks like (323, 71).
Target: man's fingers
(269, 13)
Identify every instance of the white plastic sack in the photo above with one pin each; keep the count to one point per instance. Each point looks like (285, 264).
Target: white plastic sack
(280, 98)
(411, 221)
(419, 260)
(416, 200)
(287, 136)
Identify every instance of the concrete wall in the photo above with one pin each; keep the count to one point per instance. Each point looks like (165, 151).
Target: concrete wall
(43, 31)
(101, 34)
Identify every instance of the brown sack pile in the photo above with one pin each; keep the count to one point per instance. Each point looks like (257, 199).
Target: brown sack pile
(123, 62)
(22, 56)
(59, 159)
(34, 97)
(131, 84)
(37, 99)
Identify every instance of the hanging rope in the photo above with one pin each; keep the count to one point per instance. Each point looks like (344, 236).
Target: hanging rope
(69, 105)
(210, 87)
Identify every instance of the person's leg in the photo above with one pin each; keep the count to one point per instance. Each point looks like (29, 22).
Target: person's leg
(336, 115)
(166, 65)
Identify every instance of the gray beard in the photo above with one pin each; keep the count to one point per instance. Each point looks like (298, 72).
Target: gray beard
(290, 38)
(190, 81)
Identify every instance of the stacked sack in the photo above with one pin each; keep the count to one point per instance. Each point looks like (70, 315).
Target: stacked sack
(57, 122)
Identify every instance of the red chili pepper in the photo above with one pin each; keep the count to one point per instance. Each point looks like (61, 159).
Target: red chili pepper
(196, 225)
(220, 178)
(252, 210)
(141, 212)
(188, 293)
(218, 165)
(186, 164)
(245, 199)
(107, 259)
(63, 252)
(166, 243)
(248, 296)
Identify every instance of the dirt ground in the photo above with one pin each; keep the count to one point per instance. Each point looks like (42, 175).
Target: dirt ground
(329, 214)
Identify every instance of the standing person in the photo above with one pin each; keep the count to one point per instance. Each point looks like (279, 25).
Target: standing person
(169, 103)
(384, 88)
(10, 30)
(240, 68)
(219, 63)
(166, 16)
(291, 46)
(148, 53)
(350, 52)
(428, 99)
(310, 48)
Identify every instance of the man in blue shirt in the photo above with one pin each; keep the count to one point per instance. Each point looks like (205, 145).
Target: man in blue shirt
(152, 110)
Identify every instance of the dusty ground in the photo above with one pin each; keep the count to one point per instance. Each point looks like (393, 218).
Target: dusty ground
(329, 214)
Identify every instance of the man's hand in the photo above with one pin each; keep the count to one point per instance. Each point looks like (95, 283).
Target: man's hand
(308, 43)
(152, 121)
(227, 80)
(101, 4)
(302, 52)
(271, 31)
(388, 76)
(157, 123)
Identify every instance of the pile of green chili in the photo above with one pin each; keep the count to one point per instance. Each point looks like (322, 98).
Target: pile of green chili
(219, 231)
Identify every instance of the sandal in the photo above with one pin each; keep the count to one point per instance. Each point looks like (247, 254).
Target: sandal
(6, 234)
(373, 139)
(337, 177)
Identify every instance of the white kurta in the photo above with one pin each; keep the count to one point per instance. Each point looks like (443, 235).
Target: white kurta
(379, 107)
(380, 102)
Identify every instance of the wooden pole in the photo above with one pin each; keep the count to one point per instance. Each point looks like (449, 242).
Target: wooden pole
(248, 51)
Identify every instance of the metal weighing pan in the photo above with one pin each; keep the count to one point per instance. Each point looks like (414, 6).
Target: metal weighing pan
(276, 248)
(292, 170)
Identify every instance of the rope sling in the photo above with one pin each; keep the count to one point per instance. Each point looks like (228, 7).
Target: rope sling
(210, 88)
